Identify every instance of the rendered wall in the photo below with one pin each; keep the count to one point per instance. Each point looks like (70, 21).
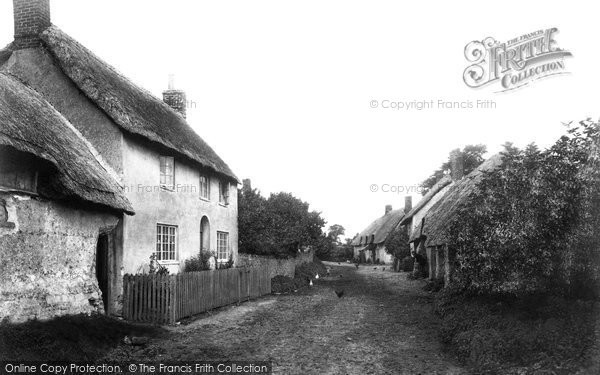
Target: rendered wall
(48, 255)
(183, 208)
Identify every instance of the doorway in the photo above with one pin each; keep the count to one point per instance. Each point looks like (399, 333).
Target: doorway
(102, 268)
(204, 234)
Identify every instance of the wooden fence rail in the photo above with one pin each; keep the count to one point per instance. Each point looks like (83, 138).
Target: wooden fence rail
(164, 299)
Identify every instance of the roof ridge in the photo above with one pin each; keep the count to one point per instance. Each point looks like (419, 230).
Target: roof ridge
(130, 106)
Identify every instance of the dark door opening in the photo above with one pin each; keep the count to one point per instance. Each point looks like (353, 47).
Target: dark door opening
(102, 268)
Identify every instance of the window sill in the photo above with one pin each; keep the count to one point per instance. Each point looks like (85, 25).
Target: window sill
(204, 199)
(168, 262)
(165, 188)
(224, 204)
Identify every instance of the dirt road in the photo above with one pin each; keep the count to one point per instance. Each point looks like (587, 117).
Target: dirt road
(382, 325)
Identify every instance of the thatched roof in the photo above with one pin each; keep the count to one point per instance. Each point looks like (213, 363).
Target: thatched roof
(30, 124)
(380, 228)
(5, 53)
(445, 210)
(445, 181)
(131, 107)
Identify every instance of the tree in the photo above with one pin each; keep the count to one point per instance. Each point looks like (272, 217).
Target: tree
(472, 157)
(335, 232)
(253, 222)
(279, 225)
(397, 243)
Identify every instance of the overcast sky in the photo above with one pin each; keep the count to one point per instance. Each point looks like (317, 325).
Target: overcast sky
(282, 90)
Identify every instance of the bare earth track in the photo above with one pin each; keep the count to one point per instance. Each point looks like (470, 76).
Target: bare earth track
(382, 325)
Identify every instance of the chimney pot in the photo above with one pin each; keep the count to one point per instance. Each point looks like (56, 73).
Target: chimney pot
(457, 168)
(407, 203)
(388, 208)
(175, 98)
(31, 17)
(247, 184)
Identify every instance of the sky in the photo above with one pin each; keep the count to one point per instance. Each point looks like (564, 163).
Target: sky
(284, 91)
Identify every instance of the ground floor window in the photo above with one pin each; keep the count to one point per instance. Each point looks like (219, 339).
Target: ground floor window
(222, 246)
(166, 242)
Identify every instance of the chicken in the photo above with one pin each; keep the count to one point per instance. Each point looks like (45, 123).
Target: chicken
(317, 276)
(310, 283)
(339, 293)
(356, 265)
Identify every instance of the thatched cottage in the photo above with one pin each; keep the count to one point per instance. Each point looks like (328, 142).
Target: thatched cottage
(415, 216)
(118, 150)
(430, 233)
(370, 244)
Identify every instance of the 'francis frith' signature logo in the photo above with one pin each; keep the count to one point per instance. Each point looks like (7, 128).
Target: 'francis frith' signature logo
(514, 63)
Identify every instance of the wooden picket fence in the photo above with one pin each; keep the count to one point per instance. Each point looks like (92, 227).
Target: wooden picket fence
(165, 299)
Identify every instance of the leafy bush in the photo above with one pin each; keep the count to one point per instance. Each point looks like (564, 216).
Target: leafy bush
(199, 262)
(530, 226)
(408, 263)
(310, 269)
(284, 284)
(226, 265)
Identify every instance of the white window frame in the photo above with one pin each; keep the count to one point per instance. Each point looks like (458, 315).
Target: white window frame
(167, 243)
(207, 190)
(164, 183)
(224, 188)
(223, 248)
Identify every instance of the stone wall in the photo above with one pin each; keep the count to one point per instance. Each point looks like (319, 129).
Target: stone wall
(284, 267)
(47, 258)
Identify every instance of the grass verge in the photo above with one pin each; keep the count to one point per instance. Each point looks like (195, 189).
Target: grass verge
(504, 335)
(66, 338)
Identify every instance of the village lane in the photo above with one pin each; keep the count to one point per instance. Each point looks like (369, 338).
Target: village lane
(383, 324)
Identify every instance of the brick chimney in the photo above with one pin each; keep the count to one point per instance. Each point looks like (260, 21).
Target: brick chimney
(174, 98)
(247, 184)
(31, 17)
(388, 208)
(407, 203)
(457, 167)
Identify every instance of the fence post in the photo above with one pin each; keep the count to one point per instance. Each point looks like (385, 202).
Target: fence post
(173, 299)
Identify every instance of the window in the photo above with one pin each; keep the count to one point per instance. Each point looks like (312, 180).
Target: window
(222, 246)
(167, 172)
(204, 187)
(223, 192)
(17, 171)
(166, 242)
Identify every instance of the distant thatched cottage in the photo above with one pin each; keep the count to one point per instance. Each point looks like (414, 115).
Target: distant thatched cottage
(429, 236)
(370, 244)
(81, 146)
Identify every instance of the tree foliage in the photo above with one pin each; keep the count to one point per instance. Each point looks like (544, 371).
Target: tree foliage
(531, 225)
(472, 157)
(397, 243)
(278, 225)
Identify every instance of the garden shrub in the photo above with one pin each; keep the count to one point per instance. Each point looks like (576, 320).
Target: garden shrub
(199, 262)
